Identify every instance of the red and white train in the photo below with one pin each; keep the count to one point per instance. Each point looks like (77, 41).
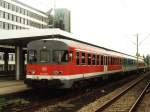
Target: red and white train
(61, 62)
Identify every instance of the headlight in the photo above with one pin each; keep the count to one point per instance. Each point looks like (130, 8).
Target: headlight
(57, 72)
(33, 72)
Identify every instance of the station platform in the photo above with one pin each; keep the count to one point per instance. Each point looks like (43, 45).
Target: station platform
(9, 86)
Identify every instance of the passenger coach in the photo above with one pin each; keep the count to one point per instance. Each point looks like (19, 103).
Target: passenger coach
(61, 63)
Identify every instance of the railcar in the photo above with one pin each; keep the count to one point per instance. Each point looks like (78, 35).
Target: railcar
(59, 62)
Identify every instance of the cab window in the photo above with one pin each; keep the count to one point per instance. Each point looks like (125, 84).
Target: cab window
(44, 55)
(32, 56)
(60, 56)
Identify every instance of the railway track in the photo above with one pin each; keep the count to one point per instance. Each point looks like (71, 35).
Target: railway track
(75, 104)
(118, 100)
(135, 105)
(144, 105)
(123, 102)
(72, 100)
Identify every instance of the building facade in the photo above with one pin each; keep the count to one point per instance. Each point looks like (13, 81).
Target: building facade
(62, 19)
(16, 15)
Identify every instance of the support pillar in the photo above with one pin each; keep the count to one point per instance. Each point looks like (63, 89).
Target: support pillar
(6, 58)
(19, 61)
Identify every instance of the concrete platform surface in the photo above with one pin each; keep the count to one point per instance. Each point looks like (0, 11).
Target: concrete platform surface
(11, 86)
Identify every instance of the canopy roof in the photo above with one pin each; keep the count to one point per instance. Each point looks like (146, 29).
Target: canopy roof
(22, 37)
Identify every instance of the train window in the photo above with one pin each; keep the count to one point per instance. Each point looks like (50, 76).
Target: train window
(117, 60)
(61, 56)
(121, 61)
(83, 58)
(89, 59)
(102, 60)
(70, 55)
(32, 56)
(93, 59)
(111, 60)
(44, 55)
(124, 61)
(77, 58)
(106, 60)
(97, 60)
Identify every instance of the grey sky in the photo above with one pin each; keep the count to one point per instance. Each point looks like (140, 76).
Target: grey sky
(109, 23)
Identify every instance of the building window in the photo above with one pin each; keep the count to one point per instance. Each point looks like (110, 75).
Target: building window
(6, 16)
(6, 5)
(10, 26)
(6, 26)
(2, 3)
(11, 57)
(1, 25)
(10, 16)
(15, 27)
(1, 56)
(22, 21)
(10, 6)
(15, 18)
(1, 14)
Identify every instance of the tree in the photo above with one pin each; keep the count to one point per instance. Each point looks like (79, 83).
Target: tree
(147, 59)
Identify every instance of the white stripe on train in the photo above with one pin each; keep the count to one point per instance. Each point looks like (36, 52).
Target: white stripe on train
(68, 77)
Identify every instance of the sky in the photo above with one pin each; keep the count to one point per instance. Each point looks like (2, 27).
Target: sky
(113, 24)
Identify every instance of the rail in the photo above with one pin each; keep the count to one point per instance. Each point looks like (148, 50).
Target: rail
(134, 106)
(109, 102)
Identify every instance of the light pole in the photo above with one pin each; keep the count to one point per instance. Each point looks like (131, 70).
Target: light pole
(137, 46)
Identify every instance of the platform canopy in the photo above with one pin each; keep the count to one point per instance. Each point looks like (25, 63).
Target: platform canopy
(22, 37)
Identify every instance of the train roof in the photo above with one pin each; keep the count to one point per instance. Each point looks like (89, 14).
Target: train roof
(80, 45)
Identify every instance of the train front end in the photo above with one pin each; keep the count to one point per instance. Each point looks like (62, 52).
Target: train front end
(49, 63)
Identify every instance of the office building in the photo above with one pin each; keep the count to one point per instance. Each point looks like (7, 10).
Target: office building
(62, 19)
(16, 15)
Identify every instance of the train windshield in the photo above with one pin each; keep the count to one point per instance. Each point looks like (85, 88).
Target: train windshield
(44, 55)
(32, 56)
(60, 56)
